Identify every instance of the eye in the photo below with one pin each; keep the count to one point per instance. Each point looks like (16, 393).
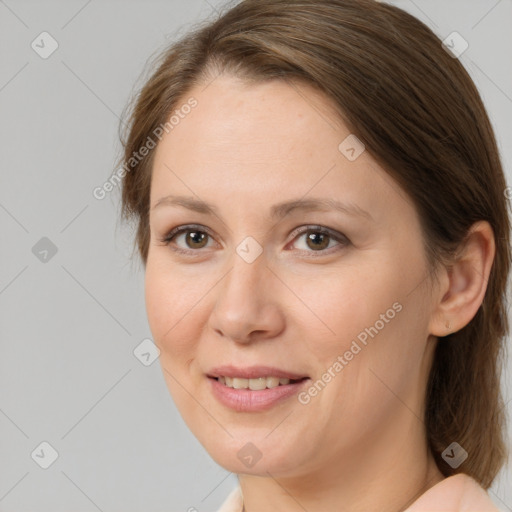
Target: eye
(194, 238)
(318, 239)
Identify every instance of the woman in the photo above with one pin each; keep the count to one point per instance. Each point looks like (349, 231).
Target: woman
(321, 212)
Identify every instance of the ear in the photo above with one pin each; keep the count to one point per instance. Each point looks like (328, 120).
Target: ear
(464, 284)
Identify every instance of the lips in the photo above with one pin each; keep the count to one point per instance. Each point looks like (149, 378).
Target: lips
(255, 400)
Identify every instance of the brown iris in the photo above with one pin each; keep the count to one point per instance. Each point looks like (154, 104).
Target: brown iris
(197, 238)
(319, 240)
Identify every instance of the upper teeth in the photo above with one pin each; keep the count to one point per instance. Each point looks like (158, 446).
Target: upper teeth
(254, 384)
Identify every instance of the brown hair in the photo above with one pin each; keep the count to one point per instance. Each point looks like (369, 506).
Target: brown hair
(420, 116)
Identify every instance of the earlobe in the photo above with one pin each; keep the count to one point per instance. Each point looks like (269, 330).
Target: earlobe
(465, 283)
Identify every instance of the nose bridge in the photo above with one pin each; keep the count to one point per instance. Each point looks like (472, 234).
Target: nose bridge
(244, 284)
(244, 301)
(248, 266)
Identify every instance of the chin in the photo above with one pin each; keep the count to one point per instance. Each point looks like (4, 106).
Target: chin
(251, 454)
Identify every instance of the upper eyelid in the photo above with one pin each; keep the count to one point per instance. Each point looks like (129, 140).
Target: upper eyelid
(178, 230)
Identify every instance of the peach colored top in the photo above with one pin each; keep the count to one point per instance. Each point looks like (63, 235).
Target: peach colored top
(457, 493)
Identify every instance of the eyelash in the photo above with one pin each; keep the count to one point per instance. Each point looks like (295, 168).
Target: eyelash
(338, 237)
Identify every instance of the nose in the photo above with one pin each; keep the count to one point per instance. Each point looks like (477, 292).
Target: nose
(247, 303)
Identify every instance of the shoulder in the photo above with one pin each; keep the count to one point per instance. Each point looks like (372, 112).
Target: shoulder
(457, 493)
(233, 502)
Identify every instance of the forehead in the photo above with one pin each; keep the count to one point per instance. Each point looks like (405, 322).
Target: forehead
(270, 139)
(276, 119)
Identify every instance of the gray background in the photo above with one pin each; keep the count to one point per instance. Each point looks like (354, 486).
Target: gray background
(69, 325)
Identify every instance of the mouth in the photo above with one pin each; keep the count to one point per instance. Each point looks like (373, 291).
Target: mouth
(256, 388)
(255, 384)
(255, 378)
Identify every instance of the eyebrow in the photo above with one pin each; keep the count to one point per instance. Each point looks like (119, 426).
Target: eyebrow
(277, 211)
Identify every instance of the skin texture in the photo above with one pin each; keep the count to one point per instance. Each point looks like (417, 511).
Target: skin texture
(361, 440)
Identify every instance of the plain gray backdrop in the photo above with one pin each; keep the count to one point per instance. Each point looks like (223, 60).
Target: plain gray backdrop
(71, 304)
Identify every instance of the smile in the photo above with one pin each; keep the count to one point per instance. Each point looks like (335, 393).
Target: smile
(253, 395)
(255, 384)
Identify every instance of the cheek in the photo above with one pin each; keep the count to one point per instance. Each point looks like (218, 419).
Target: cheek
(376, 325)
(356, 305)
(380, 333)
(171, 305)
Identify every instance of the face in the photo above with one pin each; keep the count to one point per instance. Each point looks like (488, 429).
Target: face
(330, 289)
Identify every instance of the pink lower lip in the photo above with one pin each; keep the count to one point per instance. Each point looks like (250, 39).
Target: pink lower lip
(245, 400)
